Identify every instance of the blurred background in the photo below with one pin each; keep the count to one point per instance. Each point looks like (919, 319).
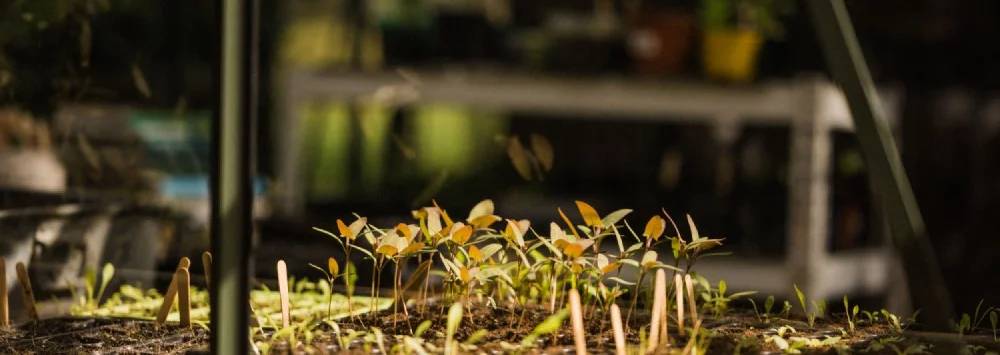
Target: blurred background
(716, 108)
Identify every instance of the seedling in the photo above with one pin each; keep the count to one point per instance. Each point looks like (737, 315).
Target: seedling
(893, 321)
(718, 301)
(4, 305)
(851, 314)
(819, 306)
(29, 295)
(168, 297)
(994, 315)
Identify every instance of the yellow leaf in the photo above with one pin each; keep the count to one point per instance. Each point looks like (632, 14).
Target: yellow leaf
(589, 214)
(433, 220)
(462, 235)
(482, 222)
(444, 214)
(404, 230)
(543, 151)
(412, 248)
(467, 274)
(387, 250)
(573, 250)
(357, 226)
(610, 267)
(332, 267)
(519, 157)
(475, 254)
(344, 230)
(655, 228)
(568, 223)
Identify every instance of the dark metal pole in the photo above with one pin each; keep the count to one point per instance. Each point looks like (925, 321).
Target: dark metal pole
(847, 64)
(232, 175)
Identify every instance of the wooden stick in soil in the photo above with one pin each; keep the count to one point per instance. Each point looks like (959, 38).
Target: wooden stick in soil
(679, 291)
(29, 295)
(659, 298)
(206, 262)
(616, 326)
(183, 278)
(283, 292)
(168, 297)
(576, 312)
(690, 296)
(664, 321)
(4, 305)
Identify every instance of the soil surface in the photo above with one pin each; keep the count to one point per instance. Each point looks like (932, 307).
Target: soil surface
(500, 328)
(72, 335)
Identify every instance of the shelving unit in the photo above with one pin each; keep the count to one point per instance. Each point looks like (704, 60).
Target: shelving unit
(812, 107)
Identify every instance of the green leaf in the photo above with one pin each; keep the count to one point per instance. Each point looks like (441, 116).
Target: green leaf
(993, 318)
(476, 337)
(801, 297)
(454, 319)
(107, 272)
(621, 281)
(423, 327)
(547, 326)
(615, 217)
(768, 304)
(722, 287)
(694, 229)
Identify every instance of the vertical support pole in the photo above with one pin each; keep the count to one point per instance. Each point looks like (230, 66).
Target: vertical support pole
(847, 64)
(809, 190)
(233, 171)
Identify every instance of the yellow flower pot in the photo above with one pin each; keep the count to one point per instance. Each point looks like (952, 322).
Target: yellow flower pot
(731, 54)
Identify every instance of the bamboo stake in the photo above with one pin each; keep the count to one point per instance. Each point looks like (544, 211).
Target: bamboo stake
(206, 262)
(283, 290)
(168, 297)
(659, 298)
(29, 295)
(184, 297)
(577, 317)
(616, 325)
(664, 312)
(690, 295)
(679, 291)
(4, 306)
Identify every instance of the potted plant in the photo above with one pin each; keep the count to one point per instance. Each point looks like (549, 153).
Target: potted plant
(660, 37)
(733, 32)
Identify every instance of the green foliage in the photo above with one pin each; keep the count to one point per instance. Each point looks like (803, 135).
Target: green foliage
(548, 326)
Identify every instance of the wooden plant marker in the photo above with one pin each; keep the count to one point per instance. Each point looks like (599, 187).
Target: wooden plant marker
(29, 295)
(184, 296)
(616, 326)
(576, 314)
(656, 316)
(283, 291)
(690, 295)
(206, 263)
(4, 305)
(679, 291)
(168, 297)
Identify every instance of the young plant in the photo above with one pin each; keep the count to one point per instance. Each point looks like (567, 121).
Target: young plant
(717, 300)
(818, 306)
(851, 314)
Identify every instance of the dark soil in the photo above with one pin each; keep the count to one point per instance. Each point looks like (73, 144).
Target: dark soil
(71, 335)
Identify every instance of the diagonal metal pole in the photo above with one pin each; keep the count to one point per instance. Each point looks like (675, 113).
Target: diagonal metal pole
(232, 173)
(847, 64)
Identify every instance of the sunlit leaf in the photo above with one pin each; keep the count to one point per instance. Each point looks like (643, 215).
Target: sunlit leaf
(332, 267)
(454, 319)
(462, 234)
(649, 259)
(483, 208)
(422, 328)
(654, 228)
(433, 220)
(475, 254)
(589, 214)
(543, 151)
(483, 222)
(387, 250)
(344, 230)
(694, 229)
(573, 250)
(614, 217)
(568, 223)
